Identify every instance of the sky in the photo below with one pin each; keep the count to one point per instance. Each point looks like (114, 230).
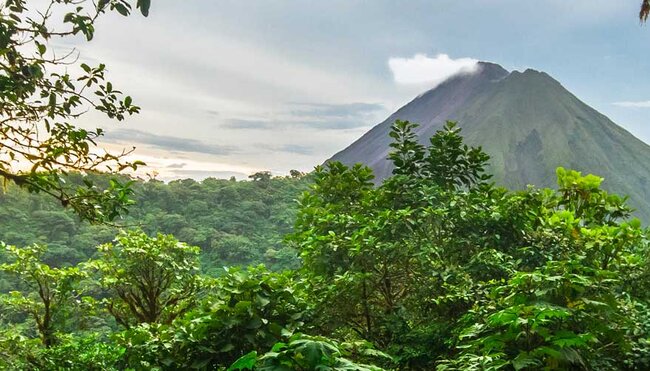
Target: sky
(228, 88)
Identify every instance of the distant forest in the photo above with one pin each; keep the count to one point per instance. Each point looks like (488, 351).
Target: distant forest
(233, 222)
(433, 267)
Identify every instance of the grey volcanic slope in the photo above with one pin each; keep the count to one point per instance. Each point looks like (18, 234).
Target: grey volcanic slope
(529, 124)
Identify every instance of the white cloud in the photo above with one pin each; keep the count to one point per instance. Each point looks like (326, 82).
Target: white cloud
(421, 69)
(641, 104)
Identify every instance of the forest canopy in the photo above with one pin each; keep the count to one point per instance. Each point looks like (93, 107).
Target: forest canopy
(435, 268)
(233, 222)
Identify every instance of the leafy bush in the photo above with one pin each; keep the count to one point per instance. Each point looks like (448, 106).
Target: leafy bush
(245, 310)
(487, 278)
(304, 352)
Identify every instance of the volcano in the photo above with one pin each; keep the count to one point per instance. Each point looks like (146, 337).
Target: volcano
(529, 124)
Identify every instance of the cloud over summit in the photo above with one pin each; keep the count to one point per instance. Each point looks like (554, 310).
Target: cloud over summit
(421, 69)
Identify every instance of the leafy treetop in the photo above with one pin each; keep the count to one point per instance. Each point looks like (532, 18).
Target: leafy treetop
(43, 90)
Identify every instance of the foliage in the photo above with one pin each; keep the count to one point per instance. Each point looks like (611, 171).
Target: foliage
(247, 310)
(148, 279)
(43, 90)
(46, 293)
(435, 266)
(240, 311)
(234, 223)
(439, 268)
(368, 249)
(82, 353)
(304, 352)
(449, 163)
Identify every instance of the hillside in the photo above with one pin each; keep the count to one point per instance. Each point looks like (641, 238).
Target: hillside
(529, 124)
(233, 222)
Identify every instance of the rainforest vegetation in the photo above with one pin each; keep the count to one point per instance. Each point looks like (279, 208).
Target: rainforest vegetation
(233, 222)
(435, 267)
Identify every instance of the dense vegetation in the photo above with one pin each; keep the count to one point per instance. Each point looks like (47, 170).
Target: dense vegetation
(44, 90)
(434, 268)
(234, 223)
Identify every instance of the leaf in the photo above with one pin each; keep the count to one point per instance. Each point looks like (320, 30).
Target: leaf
(144, 6)
(525, 360)
(122, 9)
(246, 362)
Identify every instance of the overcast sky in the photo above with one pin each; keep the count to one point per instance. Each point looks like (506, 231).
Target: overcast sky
(232, 87)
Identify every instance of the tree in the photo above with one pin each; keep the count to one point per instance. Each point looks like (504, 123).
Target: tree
(48, 292)
(244, 310)
(42, 91)
(261, 176)
(565, 304)
(364, 247)
(296, 173)
(645, 10)
(148, 279)
(441, 269)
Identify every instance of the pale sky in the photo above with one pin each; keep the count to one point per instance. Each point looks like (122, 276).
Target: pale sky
(232, 87)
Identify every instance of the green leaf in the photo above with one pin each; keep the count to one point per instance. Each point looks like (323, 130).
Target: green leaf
(122, 9)
(524, 361)
(246, 362)
(144, 6)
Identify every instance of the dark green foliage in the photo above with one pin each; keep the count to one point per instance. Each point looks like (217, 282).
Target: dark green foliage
(243, 311)
(207, 325)
(435, 268)
(234, 223)
(250, 309)
(83, 353)
(303, 352)
(441, 269)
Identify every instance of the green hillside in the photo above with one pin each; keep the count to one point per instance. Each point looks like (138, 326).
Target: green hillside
(233, 222)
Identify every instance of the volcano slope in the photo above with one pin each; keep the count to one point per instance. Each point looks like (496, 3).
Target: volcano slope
(529, 124)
